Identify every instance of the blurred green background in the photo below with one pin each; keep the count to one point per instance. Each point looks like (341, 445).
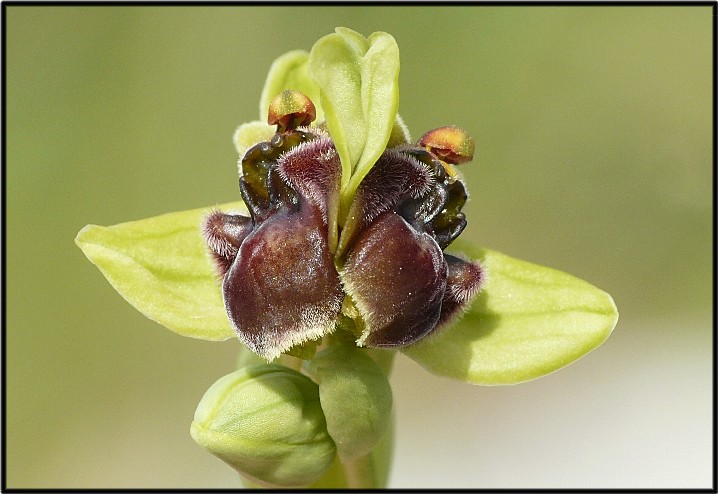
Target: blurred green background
(593, 130)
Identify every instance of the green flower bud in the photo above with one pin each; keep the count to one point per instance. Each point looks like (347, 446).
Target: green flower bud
(267, 423)
(355, 396)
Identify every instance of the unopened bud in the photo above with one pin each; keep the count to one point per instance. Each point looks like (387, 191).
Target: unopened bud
(356, 398)
(267, 423)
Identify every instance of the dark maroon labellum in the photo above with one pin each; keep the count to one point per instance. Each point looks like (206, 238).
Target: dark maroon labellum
(284, 284)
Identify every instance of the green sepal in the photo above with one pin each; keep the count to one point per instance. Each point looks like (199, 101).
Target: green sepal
(526, 322)
(161, 266)
(359, 93)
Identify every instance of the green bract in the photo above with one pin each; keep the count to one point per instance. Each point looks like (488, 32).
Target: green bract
(527, 321)
(161, 267)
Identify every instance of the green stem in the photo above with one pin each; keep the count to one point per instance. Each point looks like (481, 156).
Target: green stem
(361, 473)
(372, 470)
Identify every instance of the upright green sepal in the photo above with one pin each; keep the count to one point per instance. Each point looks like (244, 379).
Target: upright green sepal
(267, 423)
(526, 322)
(358, 80)
(160, 265)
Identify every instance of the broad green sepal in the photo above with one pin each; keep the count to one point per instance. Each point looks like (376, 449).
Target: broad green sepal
(267, 423)
(527, 321)
(160, 265)
(289, 71)
(359, 94)
(355, 396)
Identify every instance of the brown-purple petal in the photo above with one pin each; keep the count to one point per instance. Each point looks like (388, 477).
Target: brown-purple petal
(313, 169)
(283, 289)
(395, 176)
(224, 234)
(396, 277)
(463, 283)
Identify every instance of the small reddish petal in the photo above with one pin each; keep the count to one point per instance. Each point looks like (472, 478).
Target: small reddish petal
(396, 277)
(224, 234)
(464, 282)
(283, 289)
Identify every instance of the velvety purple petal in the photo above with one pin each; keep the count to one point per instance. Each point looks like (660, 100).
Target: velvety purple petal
(283, 288)
(394, 177)
(396, 278)
(224, 234)
(313, 169)
(463, 283)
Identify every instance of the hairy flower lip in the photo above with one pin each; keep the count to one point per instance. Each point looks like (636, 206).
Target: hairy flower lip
(396, 277)
(389, 257)
(272, 308)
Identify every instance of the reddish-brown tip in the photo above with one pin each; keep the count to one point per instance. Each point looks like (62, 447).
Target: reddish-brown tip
(450, 144)
(291, 109)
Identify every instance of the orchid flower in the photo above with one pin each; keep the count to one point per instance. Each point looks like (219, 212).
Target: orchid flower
(344, 250)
